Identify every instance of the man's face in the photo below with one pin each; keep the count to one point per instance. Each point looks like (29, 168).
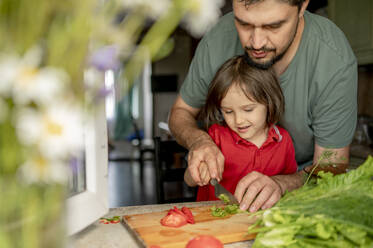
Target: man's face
(266, 30)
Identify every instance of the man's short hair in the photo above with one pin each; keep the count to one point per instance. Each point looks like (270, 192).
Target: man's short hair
(297, 3)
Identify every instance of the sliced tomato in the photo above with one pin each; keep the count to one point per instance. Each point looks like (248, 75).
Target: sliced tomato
(177, 216)
(174, 220)
(188, 214)
(176, 210)
(104, 221)
(204, 241)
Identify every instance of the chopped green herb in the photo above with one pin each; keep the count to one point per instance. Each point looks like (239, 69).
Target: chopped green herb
(224, 198)
(233, 209)
(218, 212)
(114, 220)
(227, 210)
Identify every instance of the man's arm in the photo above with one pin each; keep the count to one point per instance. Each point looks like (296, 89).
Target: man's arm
(201, 147)
(291, 182)
(182, 124)
(339, 155)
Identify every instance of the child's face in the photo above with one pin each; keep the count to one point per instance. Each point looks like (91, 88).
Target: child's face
(245, 117)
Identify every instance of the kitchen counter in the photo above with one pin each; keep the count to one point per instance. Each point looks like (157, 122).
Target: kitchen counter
(99, 235)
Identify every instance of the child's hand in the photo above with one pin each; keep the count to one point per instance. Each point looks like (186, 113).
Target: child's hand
(204, 173)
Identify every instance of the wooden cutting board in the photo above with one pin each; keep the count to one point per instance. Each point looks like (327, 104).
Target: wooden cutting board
(148, 230)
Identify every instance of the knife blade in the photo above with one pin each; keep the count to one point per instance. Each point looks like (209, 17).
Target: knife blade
(219, 189)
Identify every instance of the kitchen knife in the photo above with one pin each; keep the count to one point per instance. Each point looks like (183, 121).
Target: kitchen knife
(219, 189)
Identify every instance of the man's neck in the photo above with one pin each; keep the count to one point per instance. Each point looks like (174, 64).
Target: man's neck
(281, 66)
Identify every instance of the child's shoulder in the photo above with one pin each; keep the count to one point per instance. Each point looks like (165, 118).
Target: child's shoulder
(215, 127)
(281, 129)
(220, 133)
(218, 129)
(283, 132)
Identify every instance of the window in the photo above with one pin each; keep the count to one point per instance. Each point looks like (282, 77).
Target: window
(88, 199)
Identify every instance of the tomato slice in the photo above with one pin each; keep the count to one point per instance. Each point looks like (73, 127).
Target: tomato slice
(178, 211)
(188, 214)
(204, 241)
(104, 221)
(176, 217)
(174, 220)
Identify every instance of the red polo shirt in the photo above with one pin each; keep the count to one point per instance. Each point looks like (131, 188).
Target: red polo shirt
(275, 156)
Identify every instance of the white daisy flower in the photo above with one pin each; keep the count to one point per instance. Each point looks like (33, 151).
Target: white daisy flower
(202, 15)
(11, 65)
(33, 56)
(152, 8)
(25, 82)
(63, 129)
(8, 71)
(28, 124)
(39, 169)
(57, 130)
(39, 86)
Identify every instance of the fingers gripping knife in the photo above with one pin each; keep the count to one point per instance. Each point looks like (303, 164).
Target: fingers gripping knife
(219, 189)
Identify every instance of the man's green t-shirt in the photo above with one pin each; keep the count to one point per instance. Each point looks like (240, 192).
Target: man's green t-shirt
(319, 85)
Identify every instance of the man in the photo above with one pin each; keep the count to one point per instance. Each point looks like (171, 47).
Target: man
(318, 75)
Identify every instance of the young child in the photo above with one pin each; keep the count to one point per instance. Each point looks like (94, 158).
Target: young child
(243, 105)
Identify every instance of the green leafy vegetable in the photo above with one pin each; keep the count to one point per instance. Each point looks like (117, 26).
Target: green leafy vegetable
(336, 211)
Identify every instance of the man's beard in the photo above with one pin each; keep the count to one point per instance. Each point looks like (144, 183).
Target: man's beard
(271, 62)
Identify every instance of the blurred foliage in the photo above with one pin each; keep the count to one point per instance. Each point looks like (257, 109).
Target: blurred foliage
(31, 216)
(45, 44)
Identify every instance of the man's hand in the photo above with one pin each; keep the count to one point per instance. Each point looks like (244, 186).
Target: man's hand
(205, 161)
(202, 148)
(204, 173)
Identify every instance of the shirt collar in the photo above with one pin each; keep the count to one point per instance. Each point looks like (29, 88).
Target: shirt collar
(273, 136)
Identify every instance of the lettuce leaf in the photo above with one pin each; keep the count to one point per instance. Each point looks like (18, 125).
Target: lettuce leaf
(336, 211)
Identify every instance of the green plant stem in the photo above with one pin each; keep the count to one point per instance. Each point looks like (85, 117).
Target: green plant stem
(132, 26)
(153, 40)
(313, 169)
(324, 155)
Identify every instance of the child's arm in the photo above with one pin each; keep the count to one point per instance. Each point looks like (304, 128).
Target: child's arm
(203, 173)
